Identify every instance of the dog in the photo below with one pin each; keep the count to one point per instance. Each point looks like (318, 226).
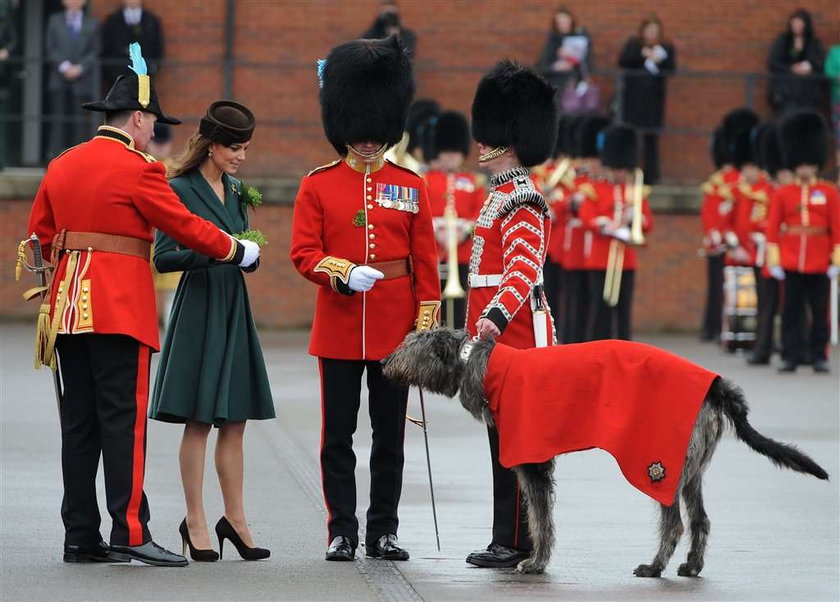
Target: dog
(443, 361)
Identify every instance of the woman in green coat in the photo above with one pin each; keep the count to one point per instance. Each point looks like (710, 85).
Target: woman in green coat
(211, 370)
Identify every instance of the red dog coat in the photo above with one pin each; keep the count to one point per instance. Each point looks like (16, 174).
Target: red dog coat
(634, 401)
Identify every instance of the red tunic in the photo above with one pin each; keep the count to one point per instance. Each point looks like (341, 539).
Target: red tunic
(383, 216)
(634, 401)
(716, 209)
(752, 205)
(510, 241)
(611, 206)
(468, 196)
(106, 186)
(556, 188)
(576, 239)
(803, 228)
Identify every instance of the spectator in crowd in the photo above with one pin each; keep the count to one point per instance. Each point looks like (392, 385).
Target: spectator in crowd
(567, 48)
(72, 43)
(832, 71)
(647, 58)
(580, 94)
(795, 58)
(8, 43)
(131, 23)
(387, 23)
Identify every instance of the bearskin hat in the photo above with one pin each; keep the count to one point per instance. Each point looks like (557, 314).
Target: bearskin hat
(451, 133)
(803, 136)
(564, 141)
(766, 147)
(366, 89)
(619, 147)
(737, 126)
(420, 124)
(586, 135)
(514, 106)
(718, 148)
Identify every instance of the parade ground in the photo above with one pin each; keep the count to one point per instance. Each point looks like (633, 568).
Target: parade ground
(774, 533)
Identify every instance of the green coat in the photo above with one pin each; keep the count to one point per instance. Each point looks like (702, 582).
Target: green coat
(211, 366)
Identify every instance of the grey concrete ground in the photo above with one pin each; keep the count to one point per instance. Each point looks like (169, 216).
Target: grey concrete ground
(774, 533)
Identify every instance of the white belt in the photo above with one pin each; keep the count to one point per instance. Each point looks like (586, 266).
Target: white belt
(485, 280)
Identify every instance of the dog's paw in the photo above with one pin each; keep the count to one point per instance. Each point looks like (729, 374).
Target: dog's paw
(689, 570)
(646, 570)
(530, 567)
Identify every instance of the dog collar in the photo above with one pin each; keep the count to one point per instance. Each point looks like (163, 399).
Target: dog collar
(466, 350)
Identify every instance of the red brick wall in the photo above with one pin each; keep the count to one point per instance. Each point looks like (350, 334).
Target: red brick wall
(457, 41)
(670, 285)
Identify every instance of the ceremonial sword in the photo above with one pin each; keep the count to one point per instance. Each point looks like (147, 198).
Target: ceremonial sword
(40, 271)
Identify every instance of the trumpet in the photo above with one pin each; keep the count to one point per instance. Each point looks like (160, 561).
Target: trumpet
(452, 289)
(615, 259)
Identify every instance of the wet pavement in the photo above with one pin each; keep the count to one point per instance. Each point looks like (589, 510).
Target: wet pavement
(774, 533)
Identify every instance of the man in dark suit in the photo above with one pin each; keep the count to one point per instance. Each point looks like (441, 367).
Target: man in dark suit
(131, 23)
(72, 44)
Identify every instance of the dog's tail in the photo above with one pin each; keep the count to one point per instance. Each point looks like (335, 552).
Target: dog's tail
(730, 400)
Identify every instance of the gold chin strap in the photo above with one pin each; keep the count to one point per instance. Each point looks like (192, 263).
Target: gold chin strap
(490, 155)
(368, 156)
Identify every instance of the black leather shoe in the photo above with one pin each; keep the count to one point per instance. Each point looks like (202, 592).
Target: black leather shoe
(100, 552)
(386, 548)
(151, 553)
(755, 359)
(821, 367)
(497, 557)
(341, 549)
(787, 366)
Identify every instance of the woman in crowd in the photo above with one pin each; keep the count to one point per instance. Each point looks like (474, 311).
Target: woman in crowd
(211, 370)
(796, 56)
(568, 46)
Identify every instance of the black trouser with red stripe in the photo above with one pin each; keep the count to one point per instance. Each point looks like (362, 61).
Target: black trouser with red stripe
(607, 322)
(341, 389)
(801, 288)
(510, 515)
(576, 306)
(767, 290)
(103, 412)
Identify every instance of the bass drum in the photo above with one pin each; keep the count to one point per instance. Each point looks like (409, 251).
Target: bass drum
(740, 308)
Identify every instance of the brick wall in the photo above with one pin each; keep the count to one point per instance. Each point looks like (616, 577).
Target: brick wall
(278, 42)
(670, 284)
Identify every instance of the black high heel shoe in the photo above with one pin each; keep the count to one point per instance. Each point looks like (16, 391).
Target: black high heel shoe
(196, 554)
(224, 530)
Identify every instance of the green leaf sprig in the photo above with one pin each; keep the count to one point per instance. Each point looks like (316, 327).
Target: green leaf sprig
(254, 236)
(252, 197)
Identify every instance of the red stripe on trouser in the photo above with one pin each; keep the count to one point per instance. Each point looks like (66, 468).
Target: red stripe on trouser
(516, 520)
(141, 395)
(323, 430)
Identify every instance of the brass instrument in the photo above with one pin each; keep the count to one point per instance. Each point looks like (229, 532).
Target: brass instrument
(452, 289)
(615, 259)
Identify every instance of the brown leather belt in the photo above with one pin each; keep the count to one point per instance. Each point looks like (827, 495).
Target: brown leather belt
(393, 269)
(98, 241)
(812, 230)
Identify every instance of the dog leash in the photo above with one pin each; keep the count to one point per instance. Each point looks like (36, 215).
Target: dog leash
(429, 467)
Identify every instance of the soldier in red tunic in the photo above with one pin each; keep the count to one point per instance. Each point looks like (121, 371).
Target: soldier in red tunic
(515, 123)
(803, 236)
(362, 232)
(616, 220)
(98, 229)
(453, 189)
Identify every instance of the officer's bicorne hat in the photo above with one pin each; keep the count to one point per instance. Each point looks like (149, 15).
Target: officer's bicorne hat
(366, 89)
(451, 133)
(586, 135)
(766, 147)
(227, 122)
(619, 147)
(803, 136)
(514, 107)
(133, 92)
(737, 128)
(718, 148)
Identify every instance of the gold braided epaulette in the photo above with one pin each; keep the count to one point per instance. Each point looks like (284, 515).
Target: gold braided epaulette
(324, 167)
(588, 190)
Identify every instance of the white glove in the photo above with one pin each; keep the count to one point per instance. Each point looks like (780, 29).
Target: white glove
(363, 277)
(622, 234)
(252, 253)
(833, 271)
(777, 272)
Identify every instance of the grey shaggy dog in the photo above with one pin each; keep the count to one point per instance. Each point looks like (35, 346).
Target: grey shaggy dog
(432, 360)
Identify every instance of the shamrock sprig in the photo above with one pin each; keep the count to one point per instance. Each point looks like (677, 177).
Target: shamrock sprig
(254, 236)
(252, 197)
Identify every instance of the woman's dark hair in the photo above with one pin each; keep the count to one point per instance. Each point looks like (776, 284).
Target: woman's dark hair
(562, 10)
(191, 157)
(651, 21)
(805, 16)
